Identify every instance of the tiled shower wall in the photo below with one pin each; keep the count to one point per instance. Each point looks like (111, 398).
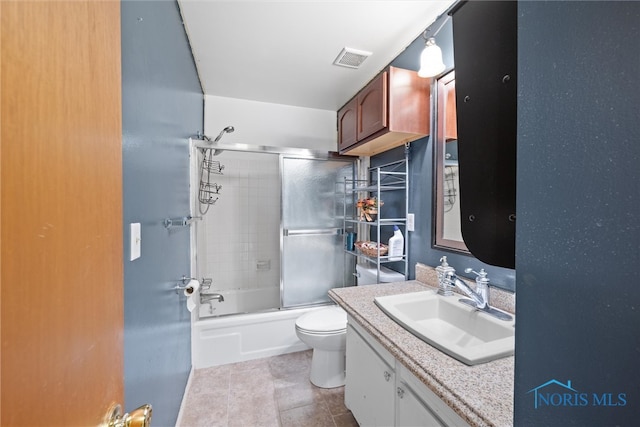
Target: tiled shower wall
(238, 240)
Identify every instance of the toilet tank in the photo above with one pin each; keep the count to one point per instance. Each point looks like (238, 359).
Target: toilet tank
(368, 275)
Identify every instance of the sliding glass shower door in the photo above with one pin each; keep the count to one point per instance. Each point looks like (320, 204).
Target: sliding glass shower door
(313, 259)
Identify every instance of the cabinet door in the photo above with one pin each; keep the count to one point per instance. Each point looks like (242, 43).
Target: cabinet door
(409, 103)
(411, 411)
(347, 124)
(370, 383)
(372, 107)
(416, 405)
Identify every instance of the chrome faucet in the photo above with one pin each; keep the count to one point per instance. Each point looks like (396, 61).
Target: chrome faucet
(479, 297)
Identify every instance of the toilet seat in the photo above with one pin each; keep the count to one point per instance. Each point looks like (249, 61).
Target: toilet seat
(321, 333)
(327, 321)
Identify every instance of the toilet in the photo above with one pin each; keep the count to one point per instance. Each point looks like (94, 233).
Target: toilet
(325, 330)
(369, 275)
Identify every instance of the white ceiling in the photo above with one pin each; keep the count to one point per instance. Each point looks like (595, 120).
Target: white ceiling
(282, 52)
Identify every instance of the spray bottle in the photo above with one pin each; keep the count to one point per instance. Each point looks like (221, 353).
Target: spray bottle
(396, 245)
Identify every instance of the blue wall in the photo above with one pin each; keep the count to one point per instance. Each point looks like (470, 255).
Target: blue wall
(578, 204)
(162, 106)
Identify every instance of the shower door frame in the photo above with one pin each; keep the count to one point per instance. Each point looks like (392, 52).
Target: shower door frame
(302, 153)
(338, 230)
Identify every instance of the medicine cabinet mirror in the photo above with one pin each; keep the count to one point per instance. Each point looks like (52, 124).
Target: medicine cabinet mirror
(447, 227)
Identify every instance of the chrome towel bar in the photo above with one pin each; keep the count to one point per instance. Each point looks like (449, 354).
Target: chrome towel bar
(180, 222)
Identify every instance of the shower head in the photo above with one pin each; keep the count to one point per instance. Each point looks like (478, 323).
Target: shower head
(228, 129)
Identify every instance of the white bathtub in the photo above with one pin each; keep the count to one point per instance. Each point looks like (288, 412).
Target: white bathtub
(240, 337)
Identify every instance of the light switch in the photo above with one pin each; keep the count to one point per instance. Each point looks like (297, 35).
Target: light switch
(136, 240)
(411, 222)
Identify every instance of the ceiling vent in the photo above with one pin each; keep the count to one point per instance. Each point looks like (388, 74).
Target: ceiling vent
(351, 58)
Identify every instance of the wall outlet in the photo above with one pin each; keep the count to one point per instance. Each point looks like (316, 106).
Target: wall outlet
(411, 222)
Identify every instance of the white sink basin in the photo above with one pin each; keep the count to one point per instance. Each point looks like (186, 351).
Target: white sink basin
(456, 329)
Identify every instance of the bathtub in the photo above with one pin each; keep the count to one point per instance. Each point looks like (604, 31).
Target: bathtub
(231, 338)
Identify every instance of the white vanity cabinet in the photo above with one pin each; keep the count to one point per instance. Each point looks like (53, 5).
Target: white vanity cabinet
(416, 405)
(371, 380)
(380, 391)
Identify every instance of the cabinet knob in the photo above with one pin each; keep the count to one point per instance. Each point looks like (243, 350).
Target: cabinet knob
(387, 376)
(400, 392)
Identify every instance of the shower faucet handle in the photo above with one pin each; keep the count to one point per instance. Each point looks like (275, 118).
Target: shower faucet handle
(205, 285)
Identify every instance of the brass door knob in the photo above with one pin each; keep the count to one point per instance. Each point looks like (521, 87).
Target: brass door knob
(140, 417)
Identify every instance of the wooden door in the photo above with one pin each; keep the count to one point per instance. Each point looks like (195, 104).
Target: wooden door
(61, 228)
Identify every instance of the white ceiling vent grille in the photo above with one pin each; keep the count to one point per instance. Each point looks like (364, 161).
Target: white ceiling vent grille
(351, 58)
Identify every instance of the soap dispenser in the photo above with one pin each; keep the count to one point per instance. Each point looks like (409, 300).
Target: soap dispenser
(443, 270)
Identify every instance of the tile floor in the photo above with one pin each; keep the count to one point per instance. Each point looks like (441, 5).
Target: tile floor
(267, 392)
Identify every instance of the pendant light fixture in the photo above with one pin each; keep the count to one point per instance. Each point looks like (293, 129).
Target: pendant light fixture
(431, 63)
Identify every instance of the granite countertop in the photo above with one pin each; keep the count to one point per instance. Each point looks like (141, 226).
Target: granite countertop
(482, 394)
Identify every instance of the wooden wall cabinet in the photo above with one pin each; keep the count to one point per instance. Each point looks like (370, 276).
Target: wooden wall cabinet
(394, 108)
(347, 125)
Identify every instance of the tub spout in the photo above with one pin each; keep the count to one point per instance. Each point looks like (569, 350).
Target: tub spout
(210, 297)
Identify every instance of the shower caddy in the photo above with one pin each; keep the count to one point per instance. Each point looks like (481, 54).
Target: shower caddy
(209, 189)
(391, 177)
